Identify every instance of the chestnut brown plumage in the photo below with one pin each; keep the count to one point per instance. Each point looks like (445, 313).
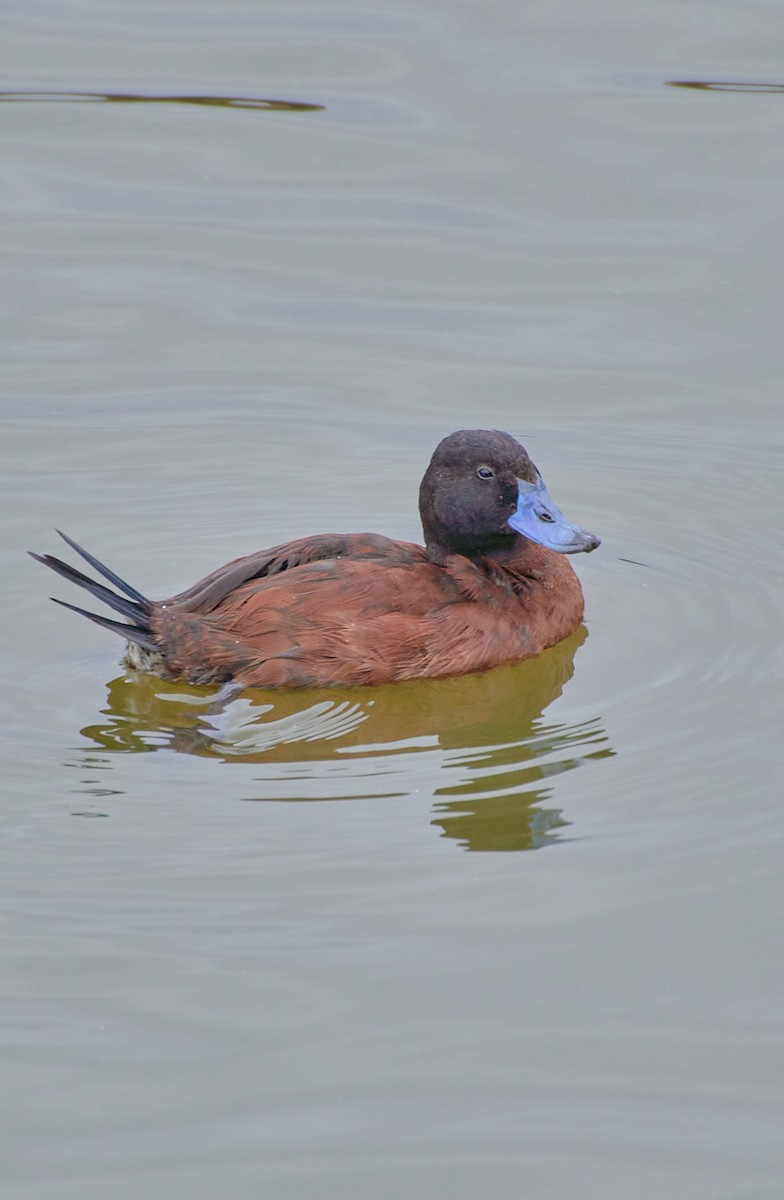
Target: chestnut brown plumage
(365, 609)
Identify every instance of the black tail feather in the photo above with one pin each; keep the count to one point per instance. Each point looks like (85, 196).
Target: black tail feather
(137, 608)
(103, 570)
(132, 633)
(136, 612)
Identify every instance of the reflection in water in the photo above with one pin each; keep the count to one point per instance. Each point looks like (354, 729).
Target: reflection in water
(706, 85)
(478, 743)
(511, 782)
(135, 98)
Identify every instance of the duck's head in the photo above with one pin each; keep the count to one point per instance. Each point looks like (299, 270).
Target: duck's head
(481, 491)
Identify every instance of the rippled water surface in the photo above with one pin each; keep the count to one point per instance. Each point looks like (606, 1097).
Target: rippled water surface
(515, 935)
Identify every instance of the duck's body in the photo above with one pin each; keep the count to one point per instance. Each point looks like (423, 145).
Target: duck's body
(365, 609)
(362, 609)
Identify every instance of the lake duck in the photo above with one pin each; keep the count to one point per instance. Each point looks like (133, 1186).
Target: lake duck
(490, 586)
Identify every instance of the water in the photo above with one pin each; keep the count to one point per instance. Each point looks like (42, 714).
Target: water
(508, 935)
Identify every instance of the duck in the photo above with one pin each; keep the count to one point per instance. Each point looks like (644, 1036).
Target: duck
(492, 585)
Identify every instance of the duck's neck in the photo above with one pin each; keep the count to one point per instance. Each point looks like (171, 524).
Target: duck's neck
(504, 544)
(522, 560)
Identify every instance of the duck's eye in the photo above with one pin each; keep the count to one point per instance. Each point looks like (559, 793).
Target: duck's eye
(486, 473)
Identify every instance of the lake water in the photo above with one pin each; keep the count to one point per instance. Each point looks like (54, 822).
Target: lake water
(514, 936)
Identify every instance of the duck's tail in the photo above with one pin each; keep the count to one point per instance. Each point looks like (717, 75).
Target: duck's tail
(137, 608)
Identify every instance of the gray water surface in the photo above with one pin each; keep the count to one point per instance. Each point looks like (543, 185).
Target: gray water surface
(511, 936)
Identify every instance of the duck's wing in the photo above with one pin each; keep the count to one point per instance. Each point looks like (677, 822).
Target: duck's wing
(209, 592)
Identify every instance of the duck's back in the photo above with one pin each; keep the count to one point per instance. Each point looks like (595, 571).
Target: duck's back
(205, 595)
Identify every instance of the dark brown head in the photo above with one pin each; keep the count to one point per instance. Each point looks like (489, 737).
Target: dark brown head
(482, 492)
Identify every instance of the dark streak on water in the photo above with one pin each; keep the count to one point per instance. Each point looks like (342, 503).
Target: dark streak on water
(135, 98)
(707, 85)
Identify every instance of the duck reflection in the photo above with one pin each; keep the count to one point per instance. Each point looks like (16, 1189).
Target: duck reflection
(479, 744)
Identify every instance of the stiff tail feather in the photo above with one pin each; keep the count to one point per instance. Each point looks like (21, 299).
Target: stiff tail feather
(136, 608)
